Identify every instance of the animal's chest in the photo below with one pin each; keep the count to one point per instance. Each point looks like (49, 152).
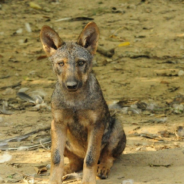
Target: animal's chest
(77, 127)
(78, 123)
(77, 132)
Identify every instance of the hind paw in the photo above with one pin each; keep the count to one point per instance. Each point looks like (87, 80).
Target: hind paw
(102, 171)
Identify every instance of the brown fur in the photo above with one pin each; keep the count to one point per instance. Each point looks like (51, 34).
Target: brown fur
(82, 128)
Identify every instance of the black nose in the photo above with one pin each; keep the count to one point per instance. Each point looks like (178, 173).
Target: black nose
(71, 85)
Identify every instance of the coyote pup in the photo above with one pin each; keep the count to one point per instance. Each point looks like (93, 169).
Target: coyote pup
(82, 128)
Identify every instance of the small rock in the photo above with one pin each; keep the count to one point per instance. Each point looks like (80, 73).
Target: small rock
(32, 72)
(136, 111)
(138, 149)
(5, 157)
(133, 106)
(19, 31)
(150, 149)
(23, 89)
(113, 105)
(129, 112)
(160, 120)
(20, 41)
(176, 143)
(22, 148)
(8, 91)
(142, 105)
(164, 133)
(1, 119)
(28, 27)
(179, 132)
(146, 113)
(178, 108)
(151, 106)
(124, 110)
(180, 73)
(48, 166)
(169, 101)
(130, 181)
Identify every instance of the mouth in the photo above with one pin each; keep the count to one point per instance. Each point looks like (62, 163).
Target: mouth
(72, 88)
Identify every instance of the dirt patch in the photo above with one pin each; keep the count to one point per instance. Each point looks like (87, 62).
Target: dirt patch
(142, 82)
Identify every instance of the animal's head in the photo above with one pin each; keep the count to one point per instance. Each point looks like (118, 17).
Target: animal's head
(72, 62)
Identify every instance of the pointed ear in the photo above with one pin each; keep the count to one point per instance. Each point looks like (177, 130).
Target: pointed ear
(50, 40)
(89, 37)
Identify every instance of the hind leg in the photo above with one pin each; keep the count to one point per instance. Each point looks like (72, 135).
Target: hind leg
(75, 163)
(105, 164)
(112, 150)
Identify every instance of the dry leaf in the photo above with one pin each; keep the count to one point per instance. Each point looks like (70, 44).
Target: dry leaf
(41, 57)
(40, 169)
(35, 6)
(180, 35)
(5, 157)
(124, 44)
(164, 82)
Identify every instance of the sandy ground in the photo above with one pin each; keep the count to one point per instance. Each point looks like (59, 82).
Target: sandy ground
(142, 82)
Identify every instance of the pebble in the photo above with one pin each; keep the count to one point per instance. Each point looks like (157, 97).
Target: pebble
(23, 90)
(136, 111)
(124, 110)
(20, 41)
(146, 113)
(138, 149)
(150, 149)
(164, 133)
(133, 106)
(48, 166)
(9, 91)
(178, 108)
(19, 31)
(179, 132)
(151, 106)
(1, 119)
(180, 73)
(28, 27)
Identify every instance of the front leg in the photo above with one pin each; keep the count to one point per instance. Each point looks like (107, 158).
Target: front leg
(58, 134)
(92, 155)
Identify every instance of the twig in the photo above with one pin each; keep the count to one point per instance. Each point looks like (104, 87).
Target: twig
(11, 86)
(22, 137)
(107, 53)
(43, 145)
(27, 147)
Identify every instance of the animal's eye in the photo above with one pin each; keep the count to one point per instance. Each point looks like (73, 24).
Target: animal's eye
(61, 63)
(81, 62)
